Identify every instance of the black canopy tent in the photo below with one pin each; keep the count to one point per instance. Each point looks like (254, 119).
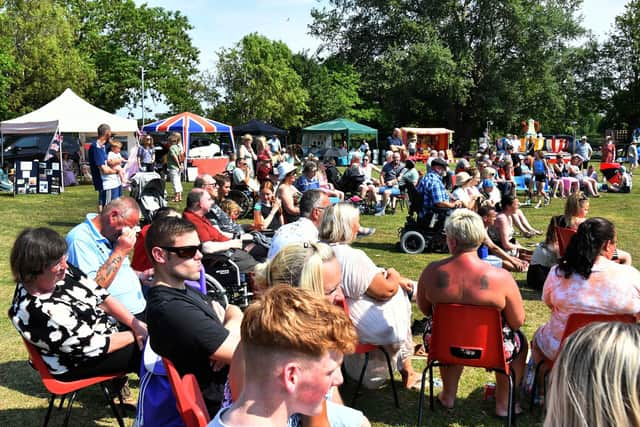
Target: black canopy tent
(257, 127)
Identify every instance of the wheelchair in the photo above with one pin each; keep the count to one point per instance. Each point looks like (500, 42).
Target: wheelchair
(244, 197)
(422, 234)
(225, 282)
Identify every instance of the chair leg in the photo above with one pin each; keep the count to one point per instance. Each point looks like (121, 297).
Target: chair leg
(107, 395)
(68, 414)
(534, 387)
(431, 387)
(46, 417)
(510, 411)
(393, 383)
(421, 401)
(364, 368)
(62, 398)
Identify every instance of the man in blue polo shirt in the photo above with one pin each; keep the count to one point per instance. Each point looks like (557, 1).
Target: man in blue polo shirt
(100, 247)
(435, 196)
(99, 166)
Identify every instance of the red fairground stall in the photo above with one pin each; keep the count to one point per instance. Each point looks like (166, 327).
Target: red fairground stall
(429, 139)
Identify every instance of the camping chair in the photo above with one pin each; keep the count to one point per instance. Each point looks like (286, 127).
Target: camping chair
(189, 400)
(366, 349)
(466, 335)
(563, 236)
(63, 388)
(574, 322)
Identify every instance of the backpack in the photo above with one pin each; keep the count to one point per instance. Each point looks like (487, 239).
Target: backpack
(156, 402)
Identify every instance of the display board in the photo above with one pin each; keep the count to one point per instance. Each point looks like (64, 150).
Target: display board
(37, 177)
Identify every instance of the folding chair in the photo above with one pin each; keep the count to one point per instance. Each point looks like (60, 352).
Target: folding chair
(563, 236)
(466, 335)
(63, 388)
(574, 322)
(366, 349)
(189, 400)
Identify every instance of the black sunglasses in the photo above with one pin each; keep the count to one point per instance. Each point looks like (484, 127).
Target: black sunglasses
(184, 252)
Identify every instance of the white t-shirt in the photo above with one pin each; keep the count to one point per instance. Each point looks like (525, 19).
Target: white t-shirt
(111, 181)
(461, 194)
(377, 322)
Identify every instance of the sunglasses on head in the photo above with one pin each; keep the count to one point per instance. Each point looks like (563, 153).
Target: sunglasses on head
(185, 252)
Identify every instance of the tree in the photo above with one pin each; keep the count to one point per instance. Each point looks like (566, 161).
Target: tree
(41, 35)
(121, 38)
(454, 62)
(333, 89)
(621, 63)
(257, 80)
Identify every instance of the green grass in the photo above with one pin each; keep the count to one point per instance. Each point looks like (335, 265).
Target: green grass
(23, 399)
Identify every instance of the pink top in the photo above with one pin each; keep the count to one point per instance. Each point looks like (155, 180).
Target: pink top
(611, 288)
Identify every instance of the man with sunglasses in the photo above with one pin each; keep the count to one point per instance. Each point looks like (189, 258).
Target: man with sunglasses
(100, 247)
(185, 326)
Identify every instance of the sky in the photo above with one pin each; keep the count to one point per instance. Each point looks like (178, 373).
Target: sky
(222, 23)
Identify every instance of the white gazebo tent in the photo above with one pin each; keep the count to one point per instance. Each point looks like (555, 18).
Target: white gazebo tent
(72, 114)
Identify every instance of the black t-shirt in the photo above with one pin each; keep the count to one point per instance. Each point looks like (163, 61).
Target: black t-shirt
(184, 328)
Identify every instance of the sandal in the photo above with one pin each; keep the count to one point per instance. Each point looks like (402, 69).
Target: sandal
(419, 351)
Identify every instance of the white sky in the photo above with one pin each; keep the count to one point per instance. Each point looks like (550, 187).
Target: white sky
(220, 23)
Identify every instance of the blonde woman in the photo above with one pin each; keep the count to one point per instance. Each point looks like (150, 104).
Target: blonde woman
(594, 382)
(146, 154)
(378, 298)
(246, 152)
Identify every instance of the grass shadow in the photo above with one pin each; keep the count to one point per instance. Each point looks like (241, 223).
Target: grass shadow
(62, 224)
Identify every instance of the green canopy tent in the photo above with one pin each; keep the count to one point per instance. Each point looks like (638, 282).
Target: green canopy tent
(320, 136)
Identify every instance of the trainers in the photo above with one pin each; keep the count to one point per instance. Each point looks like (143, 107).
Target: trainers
(366, 232)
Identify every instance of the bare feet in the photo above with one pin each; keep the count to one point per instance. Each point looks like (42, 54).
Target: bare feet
(446, 403)
(410, 380)
(502, 411)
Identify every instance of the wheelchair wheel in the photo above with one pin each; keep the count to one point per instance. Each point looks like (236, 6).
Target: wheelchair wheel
(412, 242)
(438, 244)
(244, 200)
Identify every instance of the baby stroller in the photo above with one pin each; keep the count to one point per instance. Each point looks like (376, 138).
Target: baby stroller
(609, 171)
(420, 234)
(148, 190)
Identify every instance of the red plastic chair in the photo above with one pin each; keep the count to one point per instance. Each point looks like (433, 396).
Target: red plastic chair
(466, 335)
(63, 388)
(563, 236)
(575, 322)
(367, 349)
(189, 400)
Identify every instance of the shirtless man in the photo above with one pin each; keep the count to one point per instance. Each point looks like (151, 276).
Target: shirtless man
(465, 279)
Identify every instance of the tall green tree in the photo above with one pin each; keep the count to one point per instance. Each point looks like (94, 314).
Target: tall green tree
(39, 54)
(621, 63)
(333, 89)
(455, 62)
(257, 80)
(121, 38)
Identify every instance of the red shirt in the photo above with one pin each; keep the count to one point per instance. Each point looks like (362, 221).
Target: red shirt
(206, 231)
(140, 261)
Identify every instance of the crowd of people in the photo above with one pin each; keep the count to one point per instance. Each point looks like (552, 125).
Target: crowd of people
(90, 310)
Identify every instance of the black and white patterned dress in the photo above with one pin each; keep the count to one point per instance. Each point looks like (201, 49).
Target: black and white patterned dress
(67, 326)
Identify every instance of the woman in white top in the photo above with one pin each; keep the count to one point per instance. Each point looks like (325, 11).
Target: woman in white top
(463, 182)
(246, 152)
(378, 299)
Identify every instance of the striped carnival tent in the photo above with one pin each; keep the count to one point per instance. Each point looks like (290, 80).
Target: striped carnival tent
(188, 123)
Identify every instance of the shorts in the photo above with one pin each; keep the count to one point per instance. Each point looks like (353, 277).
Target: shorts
(106, 196)
(541, 177)
(395, 191)
(512, 340)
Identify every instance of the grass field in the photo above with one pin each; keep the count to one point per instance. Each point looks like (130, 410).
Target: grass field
(23, 399)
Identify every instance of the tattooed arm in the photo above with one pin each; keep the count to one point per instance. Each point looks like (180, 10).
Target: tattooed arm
(124, 245)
